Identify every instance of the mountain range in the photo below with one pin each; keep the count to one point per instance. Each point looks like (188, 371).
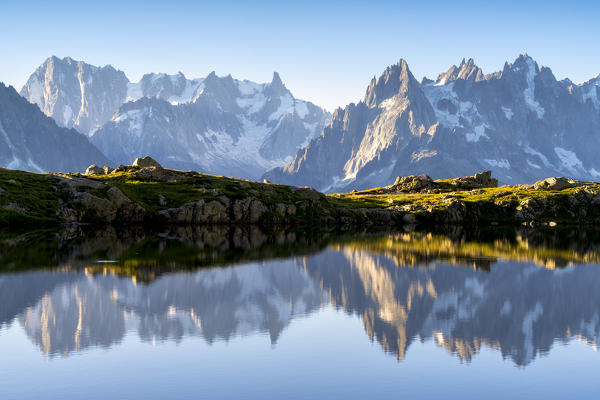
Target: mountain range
(217, 125)
(521, 123)
(31, 141)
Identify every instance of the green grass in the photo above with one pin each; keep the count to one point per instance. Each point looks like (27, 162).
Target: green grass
(29, 198)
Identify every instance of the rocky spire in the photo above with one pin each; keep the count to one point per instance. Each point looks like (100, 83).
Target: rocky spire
(396, 79)
(467, 70)
(276, 87)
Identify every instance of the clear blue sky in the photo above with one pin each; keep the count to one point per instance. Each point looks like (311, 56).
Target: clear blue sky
(325, 51)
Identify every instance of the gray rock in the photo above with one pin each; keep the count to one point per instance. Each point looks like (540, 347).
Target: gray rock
(413, 183)
(120, 168)
(94, 170)
(556, 183)
(146, 162)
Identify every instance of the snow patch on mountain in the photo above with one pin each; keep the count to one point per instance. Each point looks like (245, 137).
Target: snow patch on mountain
(502, 163)
(479, 132)
(529, 92)
(568, 159)
(135, 118)
(508, 113)
(286, 106)
(542, 157)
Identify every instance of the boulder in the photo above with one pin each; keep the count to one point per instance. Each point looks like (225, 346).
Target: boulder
(107, 170)
(413, 183)
(94, 170)
(146, 162)
(556, 183)
(120, 168)
(480, 180)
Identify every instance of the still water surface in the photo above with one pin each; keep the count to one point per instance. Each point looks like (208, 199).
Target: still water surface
(220, 313)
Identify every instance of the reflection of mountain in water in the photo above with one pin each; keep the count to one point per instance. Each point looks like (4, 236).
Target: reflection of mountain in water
(519, 309)
(515, 307)
(216, 304)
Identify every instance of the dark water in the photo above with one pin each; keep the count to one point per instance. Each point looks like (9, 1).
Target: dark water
(219, 313)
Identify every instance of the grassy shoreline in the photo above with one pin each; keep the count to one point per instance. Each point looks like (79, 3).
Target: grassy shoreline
(157, 196)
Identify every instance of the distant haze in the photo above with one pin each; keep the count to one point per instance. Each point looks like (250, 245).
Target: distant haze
(325, 53)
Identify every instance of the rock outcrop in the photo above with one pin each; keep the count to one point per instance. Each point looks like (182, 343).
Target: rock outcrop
(94, 170)
(557, 183)
(146, 162)
(424, 184)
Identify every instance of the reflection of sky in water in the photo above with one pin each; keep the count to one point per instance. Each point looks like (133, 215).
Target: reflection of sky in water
(300, 328)
(322, 356)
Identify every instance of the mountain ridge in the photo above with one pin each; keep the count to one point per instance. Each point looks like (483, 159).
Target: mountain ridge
(519, 122)
(218, 125)
(31, 141)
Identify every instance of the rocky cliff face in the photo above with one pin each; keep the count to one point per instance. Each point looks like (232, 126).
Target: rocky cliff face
(31, 141)
(75, 94)
(217, 125)
(520, 122)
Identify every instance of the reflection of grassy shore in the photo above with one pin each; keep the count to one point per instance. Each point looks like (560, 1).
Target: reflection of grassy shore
(145, 256)
(543, 249)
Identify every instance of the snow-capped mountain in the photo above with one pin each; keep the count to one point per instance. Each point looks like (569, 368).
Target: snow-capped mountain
(217, 125)
(31, 141)
(224, 127)
(520, 122)
(75, 94)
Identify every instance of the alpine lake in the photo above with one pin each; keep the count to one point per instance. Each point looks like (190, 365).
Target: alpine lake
(226, 312)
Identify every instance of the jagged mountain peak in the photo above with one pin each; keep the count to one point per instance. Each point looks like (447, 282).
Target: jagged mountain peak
(223, 88)
(467, 70)
(276, 81)
(276, 87)
(522, 64)
(395, 80)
